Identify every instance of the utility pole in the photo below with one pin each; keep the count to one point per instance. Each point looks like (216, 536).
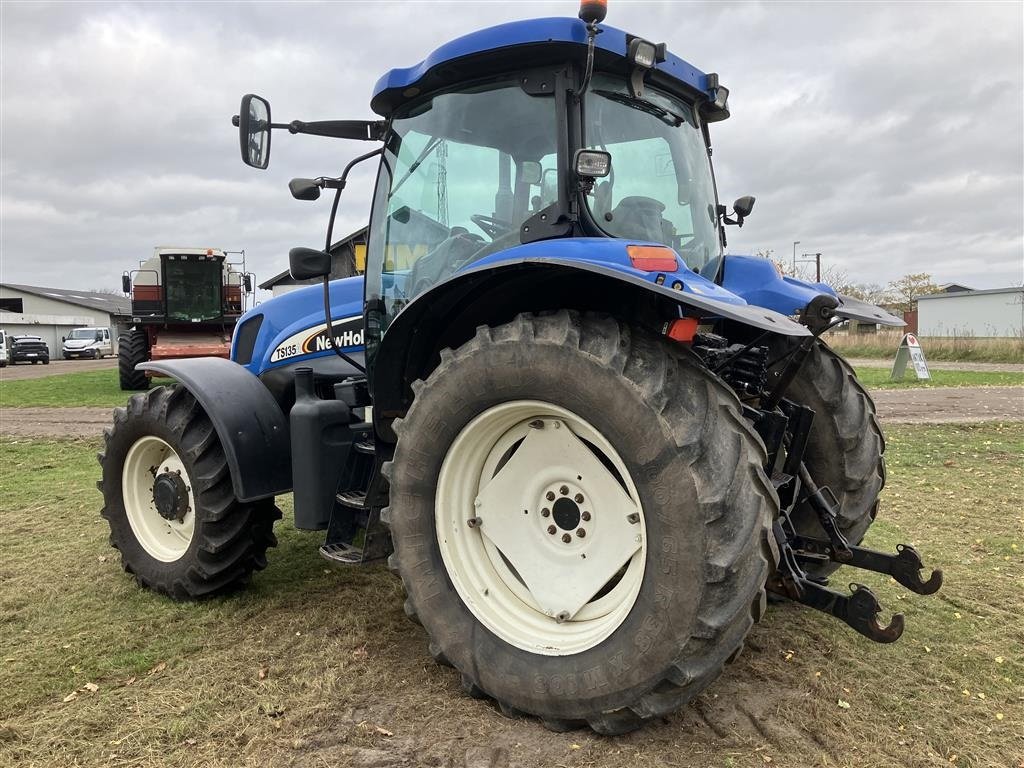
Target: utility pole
(807, 257)
(795, 244)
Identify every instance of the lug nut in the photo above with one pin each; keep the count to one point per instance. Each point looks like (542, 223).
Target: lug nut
(474, 522)
(566, 538)
(536, 424)
(550, 496)
(564, 490)
(552, 529)
(545, 512)
(578, 498)
(585, 517)
(580, 532)
(562, 617)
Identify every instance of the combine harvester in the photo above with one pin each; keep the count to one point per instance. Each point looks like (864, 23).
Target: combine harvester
(185, 303)
(586, 440)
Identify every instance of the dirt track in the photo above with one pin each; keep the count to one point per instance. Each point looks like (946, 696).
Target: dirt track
(941, 405)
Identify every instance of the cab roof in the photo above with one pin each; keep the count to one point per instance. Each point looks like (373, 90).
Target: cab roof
(519, 44)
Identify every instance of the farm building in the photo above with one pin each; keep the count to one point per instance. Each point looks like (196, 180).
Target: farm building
(997, 312)
(51, 313)
(348, 256)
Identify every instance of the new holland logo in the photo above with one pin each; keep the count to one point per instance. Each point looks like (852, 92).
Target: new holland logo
(348, 334)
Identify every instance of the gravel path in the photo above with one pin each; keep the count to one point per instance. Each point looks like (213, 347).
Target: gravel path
(54, 422)
(939, 405)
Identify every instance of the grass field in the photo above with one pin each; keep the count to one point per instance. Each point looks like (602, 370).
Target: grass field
(878, 378)
(960, 349)
(314, 666)
(100, 388)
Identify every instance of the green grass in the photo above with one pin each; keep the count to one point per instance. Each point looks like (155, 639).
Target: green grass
(181, 684)
(878, 378)
(96, 388)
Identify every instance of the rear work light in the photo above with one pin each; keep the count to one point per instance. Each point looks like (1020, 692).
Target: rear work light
(652, 258)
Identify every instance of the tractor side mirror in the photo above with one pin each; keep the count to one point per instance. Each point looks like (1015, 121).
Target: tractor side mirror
(306, 263)
(253, 121)
(126, 284)
(247, 282)
(304, 189)
(743, 206)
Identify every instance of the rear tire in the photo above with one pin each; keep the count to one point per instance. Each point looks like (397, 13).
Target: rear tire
(673, 439)
(215, 543)
(132, 349)
(845, 450)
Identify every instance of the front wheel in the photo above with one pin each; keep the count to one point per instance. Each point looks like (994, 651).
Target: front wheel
(169, 500)
(132, 349)
(581, 520)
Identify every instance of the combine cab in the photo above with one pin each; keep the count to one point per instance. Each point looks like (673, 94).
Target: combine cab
(185, 303)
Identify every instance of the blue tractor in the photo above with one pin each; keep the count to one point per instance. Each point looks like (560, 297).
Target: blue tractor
(588, 442)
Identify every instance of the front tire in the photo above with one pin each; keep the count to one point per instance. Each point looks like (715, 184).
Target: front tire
(606, 421)
(169, 500)
(132, 349)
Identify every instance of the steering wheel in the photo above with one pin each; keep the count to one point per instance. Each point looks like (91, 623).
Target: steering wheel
(491, 226)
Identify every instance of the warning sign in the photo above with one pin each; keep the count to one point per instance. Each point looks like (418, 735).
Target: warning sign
(909, 351)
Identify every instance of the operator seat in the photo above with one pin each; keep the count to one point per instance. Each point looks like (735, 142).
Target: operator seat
(639, 218)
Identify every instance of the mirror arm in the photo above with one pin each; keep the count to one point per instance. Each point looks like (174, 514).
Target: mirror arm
(362, 130)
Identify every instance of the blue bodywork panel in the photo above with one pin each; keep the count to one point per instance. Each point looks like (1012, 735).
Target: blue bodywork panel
(296, 320)
(759, 282)
(293, 328)
(531, 31)
(610, 252)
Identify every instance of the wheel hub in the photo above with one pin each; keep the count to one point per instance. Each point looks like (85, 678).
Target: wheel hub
(170, 496)
(566, 514)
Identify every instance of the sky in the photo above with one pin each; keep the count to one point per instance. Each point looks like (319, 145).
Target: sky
(888, 137)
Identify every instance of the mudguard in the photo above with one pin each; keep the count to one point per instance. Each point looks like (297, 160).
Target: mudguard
(417, 327)
(855, 309)
(252, 429)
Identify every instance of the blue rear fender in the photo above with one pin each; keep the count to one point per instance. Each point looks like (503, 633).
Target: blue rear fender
(760, 282)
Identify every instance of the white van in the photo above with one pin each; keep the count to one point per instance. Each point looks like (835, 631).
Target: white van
(5, 349)
(88, 342)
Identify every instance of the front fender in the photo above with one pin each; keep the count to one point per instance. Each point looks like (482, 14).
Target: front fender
(252, 429)
(414, 334)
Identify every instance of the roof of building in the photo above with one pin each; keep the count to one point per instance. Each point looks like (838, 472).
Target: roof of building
(954, 287)
(958, 294)
(280, 276)
(111, 303)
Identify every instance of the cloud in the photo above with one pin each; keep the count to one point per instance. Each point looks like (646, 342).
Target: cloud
(888, 137)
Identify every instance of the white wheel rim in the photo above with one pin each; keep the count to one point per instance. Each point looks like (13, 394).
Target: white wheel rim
(165, 540)
(552, 608)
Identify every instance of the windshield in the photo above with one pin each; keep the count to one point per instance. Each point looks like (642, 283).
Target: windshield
(458, 178)
(193, 288)
(660, 187)
(83, 333)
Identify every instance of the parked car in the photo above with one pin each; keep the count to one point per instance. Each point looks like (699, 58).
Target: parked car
(30, 349)
(5, 349)
(91, 343)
